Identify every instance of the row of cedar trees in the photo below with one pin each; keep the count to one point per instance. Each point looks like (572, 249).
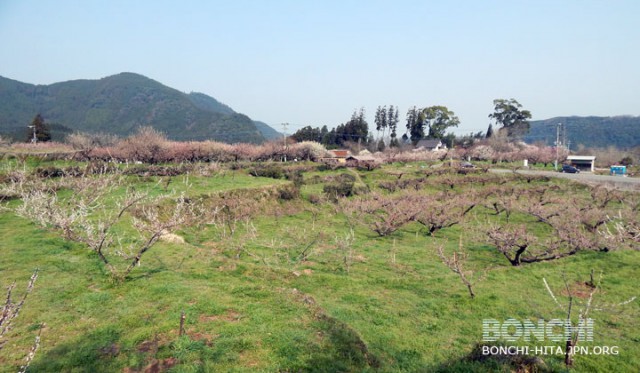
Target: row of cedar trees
(430, 123)
(356, 130)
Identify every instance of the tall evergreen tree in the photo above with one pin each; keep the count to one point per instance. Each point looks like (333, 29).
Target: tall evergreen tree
(392, 123)
(381, 120)
(358, 128)
(330, 139)
(355, 130)
(323, 132)
(42, 130)
(489, 131)
(415, 126)
(308, 133)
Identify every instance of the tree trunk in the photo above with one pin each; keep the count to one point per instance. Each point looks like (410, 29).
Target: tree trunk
(568, 357)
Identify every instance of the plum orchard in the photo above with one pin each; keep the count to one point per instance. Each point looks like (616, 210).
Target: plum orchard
(91, 215)
(526, 222)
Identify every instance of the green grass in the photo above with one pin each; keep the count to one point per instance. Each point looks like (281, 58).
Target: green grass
(264, 308)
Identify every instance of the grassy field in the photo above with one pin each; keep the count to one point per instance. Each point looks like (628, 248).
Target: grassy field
(297, 283)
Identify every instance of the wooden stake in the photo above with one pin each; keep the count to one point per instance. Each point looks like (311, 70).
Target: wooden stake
(182, 318)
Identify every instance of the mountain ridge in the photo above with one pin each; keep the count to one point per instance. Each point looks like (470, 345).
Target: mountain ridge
(621, 131)
(119, 104)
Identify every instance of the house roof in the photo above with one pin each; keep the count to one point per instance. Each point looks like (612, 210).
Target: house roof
(429, 143)
(339, 153)
(362, 158)
(581, 158)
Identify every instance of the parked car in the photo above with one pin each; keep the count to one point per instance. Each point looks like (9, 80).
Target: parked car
(467, 165)
(569, 169)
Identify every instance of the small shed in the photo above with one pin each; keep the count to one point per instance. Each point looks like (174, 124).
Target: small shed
(583, 162)
(618, 170)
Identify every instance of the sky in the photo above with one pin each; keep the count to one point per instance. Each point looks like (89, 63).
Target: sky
(313, 62)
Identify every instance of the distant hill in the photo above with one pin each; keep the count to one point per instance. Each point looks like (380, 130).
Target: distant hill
(621, 131)
(209, 103)
(266, 130)
(119, 104)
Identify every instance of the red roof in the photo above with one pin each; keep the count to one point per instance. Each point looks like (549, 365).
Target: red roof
(339, 153)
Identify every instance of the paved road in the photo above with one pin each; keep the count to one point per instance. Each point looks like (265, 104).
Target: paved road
(618, 182)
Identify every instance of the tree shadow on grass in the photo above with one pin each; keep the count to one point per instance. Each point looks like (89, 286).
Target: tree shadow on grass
(480, 362)
(93, 352)
(345, 352)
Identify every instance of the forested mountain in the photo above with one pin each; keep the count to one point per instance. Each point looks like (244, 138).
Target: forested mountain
(601, 132)
(267, 131)
(209, 103)
(119, 104)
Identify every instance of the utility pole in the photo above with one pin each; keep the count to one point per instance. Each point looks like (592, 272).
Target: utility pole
(557, 144)
(284, 139)
(35, 138)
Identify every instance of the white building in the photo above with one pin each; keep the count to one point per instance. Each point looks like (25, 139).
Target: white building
(582, 162)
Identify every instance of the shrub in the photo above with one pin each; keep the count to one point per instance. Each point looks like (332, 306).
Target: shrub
(330, 166)
(288, 192)
(389, 186)
(345, 178)
(267, 170)
(235, 166)
(315, 179)
(147, 145)
(49, 172)
(153, 170)
(367, 165)
(339, 189)
(86, 141)
(308, 150)
(100, 168)
(296, 176)
(359, 189)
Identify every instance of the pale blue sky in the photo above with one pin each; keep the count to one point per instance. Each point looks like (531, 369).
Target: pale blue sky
(314, 62)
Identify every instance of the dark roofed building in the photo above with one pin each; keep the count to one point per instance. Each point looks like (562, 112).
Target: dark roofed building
(430, 144)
